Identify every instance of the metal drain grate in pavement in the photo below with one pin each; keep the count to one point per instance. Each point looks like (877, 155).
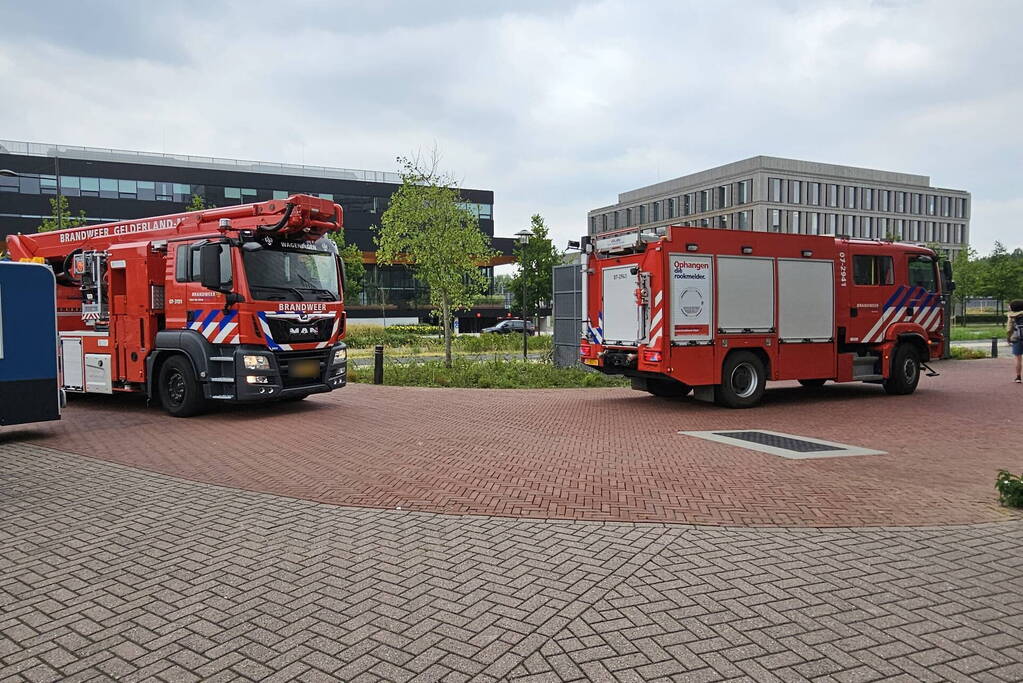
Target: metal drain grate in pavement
(784, 445)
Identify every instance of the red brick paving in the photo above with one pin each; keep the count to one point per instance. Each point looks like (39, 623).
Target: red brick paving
(597, 454)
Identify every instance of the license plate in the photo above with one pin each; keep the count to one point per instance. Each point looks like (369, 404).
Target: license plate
(590, 361)
(304, 368)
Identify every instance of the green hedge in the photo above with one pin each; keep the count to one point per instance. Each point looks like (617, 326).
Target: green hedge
(368, 336)
(486, 375)
(980, 319)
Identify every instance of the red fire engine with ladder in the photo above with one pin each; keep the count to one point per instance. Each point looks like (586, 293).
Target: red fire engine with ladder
(243, 303)
(723, 312)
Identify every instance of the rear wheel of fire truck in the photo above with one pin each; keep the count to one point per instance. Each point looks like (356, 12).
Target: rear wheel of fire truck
(742, 381)
(667, 388)
(905, 372)
(180, 393)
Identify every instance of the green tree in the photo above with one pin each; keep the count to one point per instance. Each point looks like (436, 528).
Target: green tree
(198, 203)
(1002, 276)
(355, 270)
(536, 259)
(968, 272)
(61, 208)
(427, 229)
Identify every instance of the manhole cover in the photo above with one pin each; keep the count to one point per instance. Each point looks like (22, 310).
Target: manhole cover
(785, 445)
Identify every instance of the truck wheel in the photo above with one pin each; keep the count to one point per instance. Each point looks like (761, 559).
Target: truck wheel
(905, 371)
(180, 393)
(667, 388)
(742, 381)
(812, 382)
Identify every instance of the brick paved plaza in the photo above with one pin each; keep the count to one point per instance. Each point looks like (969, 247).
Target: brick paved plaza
(139, 547)
(110, 572)
(601, 454)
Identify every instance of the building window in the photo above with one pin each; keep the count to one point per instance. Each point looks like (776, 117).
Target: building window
(850, 226)
(795, 197)
(642, 214)
(944, 206)
(832, 195)
(930, 204)
(915, 204)
(672, 207)
(628, 218)
(882, 200)
(813, 226)
(774, 189)
(704, 200)
(866, 226)
(794, 226)
(687, 205)
(723, 202)
(723, 221)
(743, 218)
(882, 227)
(868, 199)
(900, 202)
(655, 212)
(850, 197)
(704, 222)
(815, 194)
(899, 227)
(775, 221)
(742, 188)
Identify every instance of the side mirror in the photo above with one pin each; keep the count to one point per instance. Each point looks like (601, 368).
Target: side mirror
(209, 267)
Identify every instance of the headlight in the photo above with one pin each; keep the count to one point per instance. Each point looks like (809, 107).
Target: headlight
(340, 356)
(256, 362)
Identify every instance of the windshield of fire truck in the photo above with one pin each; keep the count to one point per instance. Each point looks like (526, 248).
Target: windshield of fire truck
(283, 275)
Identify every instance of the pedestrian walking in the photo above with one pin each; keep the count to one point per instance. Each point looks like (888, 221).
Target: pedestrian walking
(1014, 332)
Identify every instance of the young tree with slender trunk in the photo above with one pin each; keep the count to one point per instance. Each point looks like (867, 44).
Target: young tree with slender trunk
(428, 228)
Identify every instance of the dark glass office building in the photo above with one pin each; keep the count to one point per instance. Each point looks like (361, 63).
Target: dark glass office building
(111, 185)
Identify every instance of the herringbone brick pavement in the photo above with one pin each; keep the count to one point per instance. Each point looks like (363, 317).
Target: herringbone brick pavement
(113, 573)
(601, 454)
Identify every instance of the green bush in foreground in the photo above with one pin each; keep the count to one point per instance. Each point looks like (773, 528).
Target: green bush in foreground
(966, 353)
(486, 375)
(1010, 489)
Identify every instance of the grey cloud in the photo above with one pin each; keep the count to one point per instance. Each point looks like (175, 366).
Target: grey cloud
(555, 106)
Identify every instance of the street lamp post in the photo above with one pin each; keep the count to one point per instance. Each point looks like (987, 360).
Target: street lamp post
(523, 236)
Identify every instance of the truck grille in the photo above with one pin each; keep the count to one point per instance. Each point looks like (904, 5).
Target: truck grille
(286, 360)
(294, 332)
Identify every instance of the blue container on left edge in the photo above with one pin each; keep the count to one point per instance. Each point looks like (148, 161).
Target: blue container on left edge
(29, 391)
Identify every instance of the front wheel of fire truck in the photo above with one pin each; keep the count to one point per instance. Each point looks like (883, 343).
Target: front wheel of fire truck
(742, 381)
(905, 371)
(180, 393)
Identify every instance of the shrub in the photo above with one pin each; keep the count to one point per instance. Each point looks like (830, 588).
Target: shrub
(966, 353)
(1010, 489)
(493, 374)
(366, 336)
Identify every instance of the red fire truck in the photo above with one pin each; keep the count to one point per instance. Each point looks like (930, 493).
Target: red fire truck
(242, 303)
(722, 312)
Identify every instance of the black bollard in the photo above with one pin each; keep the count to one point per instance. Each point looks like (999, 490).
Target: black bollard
(994, 347)
(378, 364)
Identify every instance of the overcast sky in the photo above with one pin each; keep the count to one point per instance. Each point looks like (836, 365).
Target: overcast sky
(556, 106)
